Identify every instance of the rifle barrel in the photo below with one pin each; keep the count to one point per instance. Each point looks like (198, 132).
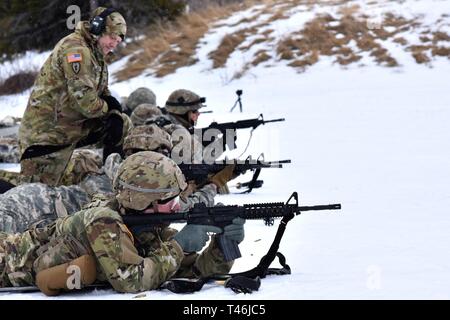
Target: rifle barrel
(274, 120)
(336, 206)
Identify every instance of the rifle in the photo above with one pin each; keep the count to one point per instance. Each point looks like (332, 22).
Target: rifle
(222, 216)
(241, 124)
(199, 172)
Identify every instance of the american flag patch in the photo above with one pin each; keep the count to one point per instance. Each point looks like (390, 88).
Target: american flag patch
(74, 57)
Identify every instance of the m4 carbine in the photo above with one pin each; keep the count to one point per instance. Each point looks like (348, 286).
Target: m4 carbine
(222, 216)
(223, 127)
(199, 172)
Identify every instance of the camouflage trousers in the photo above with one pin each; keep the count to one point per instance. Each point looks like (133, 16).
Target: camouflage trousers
(22, 256)
(47, 169)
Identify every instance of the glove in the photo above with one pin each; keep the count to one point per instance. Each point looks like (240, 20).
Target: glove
(235, 231)
(193, 237)
(221, 178)
(112, 102)
(113, 129)
(50, 281)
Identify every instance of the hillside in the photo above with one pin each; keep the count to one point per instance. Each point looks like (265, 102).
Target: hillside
(362, 85)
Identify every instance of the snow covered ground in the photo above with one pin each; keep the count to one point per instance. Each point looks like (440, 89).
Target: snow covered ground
(374, 139)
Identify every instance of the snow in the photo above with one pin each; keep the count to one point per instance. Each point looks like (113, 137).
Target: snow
(372, 138)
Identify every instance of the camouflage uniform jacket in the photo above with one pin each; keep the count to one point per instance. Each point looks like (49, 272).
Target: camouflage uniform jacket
(30, 202)
(64, 104)
(204, 195)
(130, 263)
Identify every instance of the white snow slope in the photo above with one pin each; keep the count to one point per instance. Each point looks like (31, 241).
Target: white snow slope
(375, 139)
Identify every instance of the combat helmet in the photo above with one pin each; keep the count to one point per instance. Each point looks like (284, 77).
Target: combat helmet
(147, 138)
(146, 177)
(140, 96)
(143, 112)
(114, 22)
(181, 101)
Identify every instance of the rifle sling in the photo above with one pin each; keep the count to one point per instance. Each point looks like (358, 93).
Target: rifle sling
(246, 281)
(41, 150)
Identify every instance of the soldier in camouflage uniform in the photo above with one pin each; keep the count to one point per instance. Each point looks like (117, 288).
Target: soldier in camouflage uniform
(153, 138)
(182, 108)
(137, 97)
(30, 202)
(81, 163)
(98, 242)
(27, 203)
(70, 102)
(144, 112)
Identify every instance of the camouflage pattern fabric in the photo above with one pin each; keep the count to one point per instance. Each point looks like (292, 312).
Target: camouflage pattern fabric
(115, 23)
(30, 202)
(27, 203)
(204, 195)
(47, 169)
(101, 233)
(144, 112)
(140, 96)
(9, 150)
(81, 163)
(76, 69)
(12, 177)
(181, 101)
(147, 137)
(145, 177)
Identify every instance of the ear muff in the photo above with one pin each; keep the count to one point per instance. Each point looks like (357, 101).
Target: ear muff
(98, 23)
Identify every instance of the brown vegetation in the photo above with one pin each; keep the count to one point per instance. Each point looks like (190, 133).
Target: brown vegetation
(171, 45)
(17, 82)
(319, 37)
(227, 46)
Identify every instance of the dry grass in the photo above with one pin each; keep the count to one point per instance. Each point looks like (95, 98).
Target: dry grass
(260, 57)
(420, 57)
(419, 53)
(401, 40)
(319, 37)
(227, 46)
(440, 36)
(441, 51)
(171, 45)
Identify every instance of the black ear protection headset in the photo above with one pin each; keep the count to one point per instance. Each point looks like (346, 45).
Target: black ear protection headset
(98, 23)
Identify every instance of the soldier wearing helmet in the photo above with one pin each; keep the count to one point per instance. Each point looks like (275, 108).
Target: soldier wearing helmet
(70, 100)
(139, 96)
(183, 108)
(89, 181)
(143, 113)
(102, 247)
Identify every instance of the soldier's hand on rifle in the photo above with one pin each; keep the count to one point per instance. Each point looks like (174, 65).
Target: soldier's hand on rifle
(193, 237)
(113, 129)
(235, 231)
(223, 176)
(112, 103)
